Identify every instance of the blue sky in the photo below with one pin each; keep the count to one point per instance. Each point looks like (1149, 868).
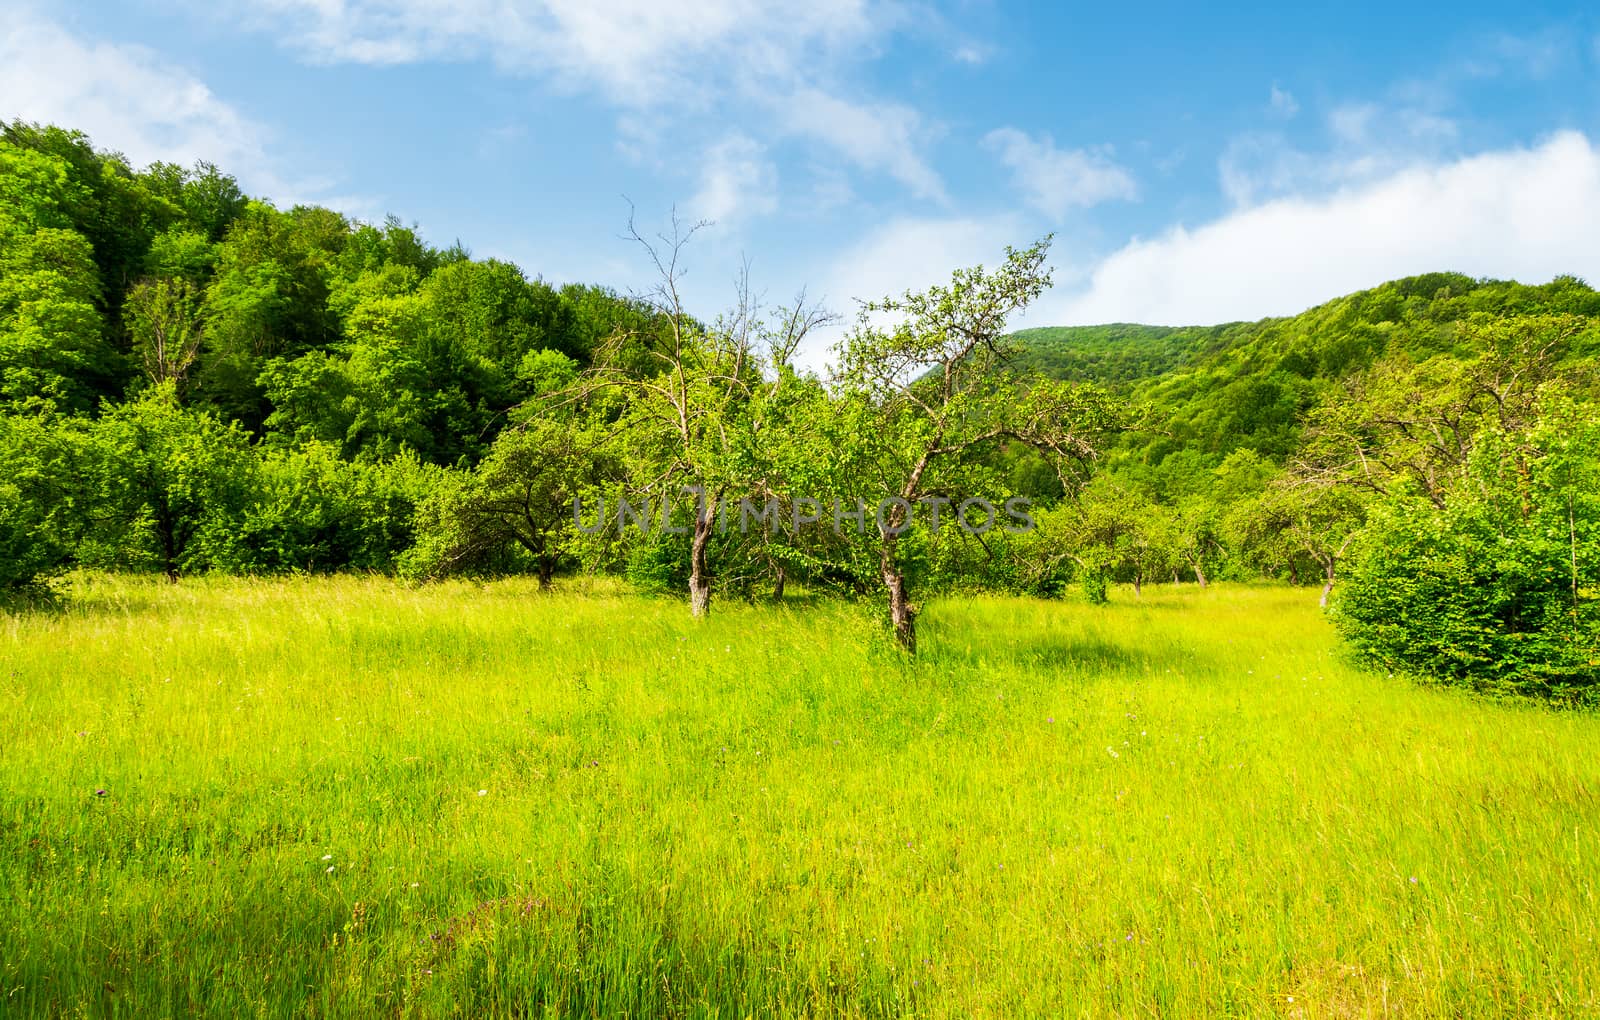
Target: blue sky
(1196, 164)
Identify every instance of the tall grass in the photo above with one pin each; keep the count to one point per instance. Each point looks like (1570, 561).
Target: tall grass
(348, 797)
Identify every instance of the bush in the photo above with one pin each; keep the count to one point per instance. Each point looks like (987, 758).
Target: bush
(311, 511)
(1096, 587)
(659, 565)
(1495, 590)
(170, 485)
(44, 499)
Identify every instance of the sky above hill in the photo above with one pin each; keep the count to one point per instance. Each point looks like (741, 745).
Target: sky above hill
(1196, 163)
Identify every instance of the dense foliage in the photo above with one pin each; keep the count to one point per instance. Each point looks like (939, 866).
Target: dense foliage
(1495, 585)
(191, 380)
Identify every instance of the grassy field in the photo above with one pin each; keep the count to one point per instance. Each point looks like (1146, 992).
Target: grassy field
(347, 797)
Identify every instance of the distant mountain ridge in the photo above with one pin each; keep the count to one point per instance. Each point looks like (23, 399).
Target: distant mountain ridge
(1247, 385)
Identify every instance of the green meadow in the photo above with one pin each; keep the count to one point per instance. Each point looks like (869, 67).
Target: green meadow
(351, 797)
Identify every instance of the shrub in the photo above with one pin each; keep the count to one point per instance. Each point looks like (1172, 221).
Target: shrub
(1495, 589)
(312, 511)
(1096, 586)
(170, 485)
(44, 499)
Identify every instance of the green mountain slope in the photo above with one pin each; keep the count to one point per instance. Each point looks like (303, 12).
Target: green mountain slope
(1119, 352)
(1247, 385)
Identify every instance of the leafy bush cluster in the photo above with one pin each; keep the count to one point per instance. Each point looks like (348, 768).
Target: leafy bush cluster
(1497, 586)
(152, 486)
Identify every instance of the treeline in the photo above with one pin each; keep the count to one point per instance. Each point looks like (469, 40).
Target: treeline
(192, 380)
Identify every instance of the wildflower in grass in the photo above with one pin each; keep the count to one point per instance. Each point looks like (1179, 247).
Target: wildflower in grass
(329, 871)
(327, 857)
(483, 793)
(102, 793)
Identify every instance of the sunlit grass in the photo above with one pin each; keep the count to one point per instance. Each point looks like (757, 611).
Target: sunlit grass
(345, 796)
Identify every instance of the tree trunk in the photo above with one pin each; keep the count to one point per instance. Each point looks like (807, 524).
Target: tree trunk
(547, 571)
(1138, 586)
(169, 554)
(901, 613)
(699, 576)
(1199, 574)
(1327, 588)
(777, 585)
(1294, 574)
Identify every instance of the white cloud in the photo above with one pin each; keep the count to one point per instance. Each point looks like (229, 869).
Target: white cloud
(1366, 141)
(496, 141)
(1257, 164)
(905, 254)
(914, 253)
(639, 52)
(1535, 56)
(130, 100)
(830, 189)
(1527, 214)
(882, 137)
(737, 182)
(972, 54)
(1054, 180)
(1371, 125)
(1282, 102)
(655, 59)
(124, 97)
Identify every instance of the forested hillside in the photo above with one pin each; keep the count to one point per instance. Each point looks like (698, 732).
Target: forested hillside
(196, 380)
(192, 380)
(1250, 385)
(298, 324)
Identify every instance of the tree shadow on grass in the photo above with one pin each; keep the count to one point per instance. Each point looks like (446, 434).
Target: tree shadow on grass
(1083, 654)
(33, 600)
(1028, 651)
